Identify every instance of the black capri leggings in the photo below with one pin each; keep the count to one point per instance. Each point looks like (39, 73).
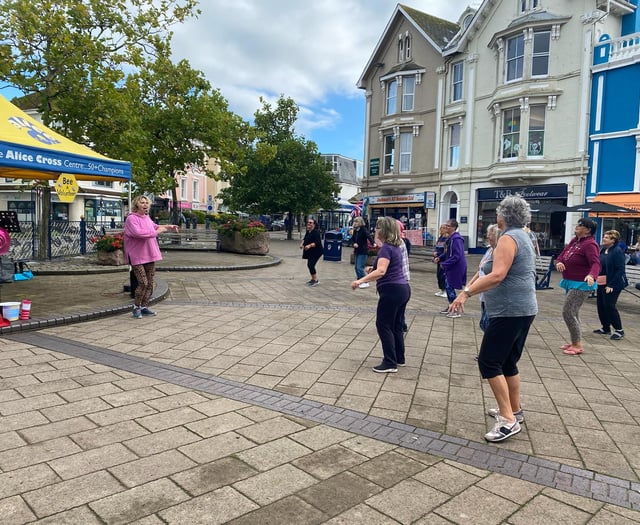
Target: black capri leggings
(311, 264)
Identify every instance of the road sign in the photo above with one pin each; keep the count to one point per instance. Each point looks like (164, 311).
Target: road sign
(66, 187)
(209, 207)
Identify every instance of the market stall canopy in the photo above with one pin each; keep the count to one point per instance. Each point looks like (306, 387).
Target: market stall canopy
(599, 207)
(30, 150)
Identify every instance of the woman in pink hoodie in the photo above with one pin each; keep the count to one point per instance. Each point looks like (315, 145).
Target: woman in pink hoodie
(141, 250)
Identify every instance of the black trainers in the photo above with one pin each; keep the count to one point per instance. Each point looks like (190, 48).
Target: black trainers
(384, 369)
(314, 283)
(147, 311)
(445, 311)
(602, 331)
(617, 335)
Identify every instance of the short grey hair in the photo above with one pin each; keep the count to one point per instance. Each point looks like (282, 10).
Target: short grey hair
(358, 221)
(515, 211)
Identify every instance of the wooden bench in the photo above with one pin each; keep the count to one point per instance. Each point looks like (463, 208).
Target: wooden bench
(633, 276)
(544, 267)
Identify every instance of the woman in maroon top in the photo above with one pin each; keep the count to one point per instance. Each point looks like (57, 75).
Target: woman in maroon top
(579, 263)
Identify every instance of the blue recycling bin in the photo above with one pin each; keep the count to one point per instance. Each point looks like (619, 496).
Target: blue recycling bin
(333, 246)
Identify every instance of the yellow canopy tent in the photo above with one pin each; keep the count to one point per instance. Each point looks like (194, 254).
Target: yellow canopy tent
(30, 150)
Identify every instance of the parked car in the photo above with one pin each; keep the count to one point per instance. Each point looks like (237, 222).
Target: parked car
(277, 225)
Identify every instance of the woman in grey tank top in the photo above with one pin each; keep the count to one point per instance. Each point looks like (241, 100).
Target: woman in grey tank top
(509, 288)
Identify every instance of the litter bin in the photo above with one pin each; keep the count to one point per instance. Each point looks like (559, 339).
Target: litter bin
(333, 246)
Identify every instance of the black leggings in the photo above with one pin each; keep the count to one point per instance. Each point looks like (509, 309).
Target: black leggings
(311, 264)
(607, 311)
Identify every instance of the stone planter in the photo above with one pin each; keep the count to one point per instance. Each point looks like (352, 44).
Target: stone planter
(257, 245)
(115, 258)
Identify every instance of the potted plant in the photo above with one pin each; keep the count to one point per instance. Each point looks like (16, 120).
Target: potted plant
(109, 248)
(239, 235)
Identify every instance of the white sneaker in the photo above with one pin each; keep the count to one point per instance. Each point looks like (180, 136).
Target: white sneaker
(441, 294)
(363, 285)
(502, 430)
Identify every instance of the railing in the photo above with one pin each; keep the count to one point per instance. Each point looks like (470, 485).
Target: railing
(624, 47)
(64, 239)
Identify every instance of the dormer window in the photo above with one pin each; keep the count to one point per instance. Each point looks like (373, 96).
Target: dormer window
(400, 49)
(527, 5)
(407, 47)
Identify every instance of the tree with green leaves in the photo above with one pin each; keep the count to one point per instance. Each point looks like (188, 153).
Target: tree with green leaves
(63, 52)
(284, 172)
(185, 122)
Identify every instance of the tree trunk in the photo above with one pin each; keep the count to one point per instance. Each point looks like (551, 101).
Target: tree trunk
(175, 212)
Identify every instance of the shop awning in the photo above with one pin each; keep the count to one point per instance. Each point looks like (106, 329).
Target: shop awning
(630, 201)
(30, 150)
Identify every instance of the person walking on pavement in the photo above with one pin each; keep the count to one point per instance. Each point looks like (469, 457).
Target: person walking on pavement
(454, 265)
(361, 248)
(611, 281)
(509, 289)
(579, 263)
(437, 253)
(141, 250)
(311, 247)
(393, 291)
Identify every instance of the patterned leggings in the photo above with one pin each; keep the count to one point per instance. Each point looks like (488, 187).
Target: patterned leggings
(144, 274)
(572, 304)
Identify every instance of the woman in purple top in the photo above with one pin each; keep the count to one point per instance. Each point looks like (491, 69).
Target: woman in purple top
(579, 263)
(141, 250)
(393, 292)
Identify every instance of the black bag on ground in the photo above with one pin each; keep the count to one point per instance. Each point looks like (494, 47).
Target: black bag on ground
(7, 269)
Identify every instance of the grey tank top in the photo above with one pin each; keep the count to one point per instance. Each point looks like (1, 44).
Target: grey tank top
(515, 296)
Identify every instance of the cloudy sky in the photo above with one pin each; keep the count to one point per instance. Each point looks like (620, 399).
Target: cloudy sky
(311, 51)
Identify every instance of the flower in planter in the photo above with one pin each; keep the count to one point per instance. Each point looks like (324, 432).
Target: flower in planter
(109, 243)
(248, 229)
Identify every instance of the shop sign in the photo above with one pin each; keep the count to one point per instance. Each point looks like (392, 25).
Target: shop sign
(430, 199)
(374, 167)
(547, 191)
(397, 199)
(66, 187)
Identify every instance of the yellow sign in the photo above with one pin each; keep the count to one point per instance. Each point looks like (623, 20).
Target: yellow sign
(66, 187)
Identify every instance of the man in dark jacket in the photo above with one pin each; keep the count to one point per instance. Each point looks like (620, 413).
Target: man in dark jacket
(454, 264)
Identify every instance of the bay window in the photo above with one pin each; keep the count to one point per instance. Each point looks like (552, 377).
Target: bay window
(535, 147)
(515, 58)
(510, 133)
(540, 59)
(406, 141)
(392, 95)
(389, 153)
(454, 145)
(408, 92)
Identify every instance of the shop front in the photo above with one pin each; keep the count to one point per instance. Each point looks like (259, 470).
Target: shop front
(411, 209)
(627, 224)
(547, 219)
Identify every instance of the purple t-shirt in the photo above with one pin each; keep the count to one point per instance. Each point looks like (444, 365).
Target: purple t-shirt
(395, 273)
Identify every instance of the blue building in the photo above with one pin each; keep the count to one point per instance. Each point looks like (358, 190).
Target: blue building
(614, 145)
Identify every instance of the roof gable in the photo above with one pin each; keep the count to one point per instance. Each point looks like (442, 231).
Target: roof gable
(436, 31)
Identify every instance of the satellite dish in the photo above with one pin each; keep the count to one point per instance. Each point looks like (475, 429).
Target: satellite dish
(5, 241)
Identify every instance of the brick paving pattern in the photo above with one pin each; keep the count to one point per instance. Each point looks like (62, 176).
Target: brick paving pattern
(250, 399)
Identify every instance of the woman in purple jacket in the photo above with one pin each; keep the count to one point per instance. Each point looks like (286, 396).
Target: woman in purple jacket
(141, 250)
(453, 264)
(579, 263)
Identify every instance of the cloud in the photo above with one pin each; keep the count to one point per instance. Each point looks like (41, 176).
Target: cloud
(313, 52)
